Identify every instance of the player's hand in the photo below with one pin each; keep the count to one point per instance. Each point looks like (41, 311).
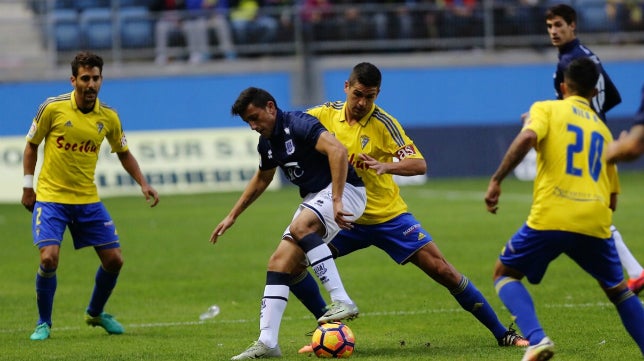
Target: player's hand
(221, 229)
(372, 163)
(613, 148)
(151, 195)
(340, 216)
(28, 198)
(492, 196)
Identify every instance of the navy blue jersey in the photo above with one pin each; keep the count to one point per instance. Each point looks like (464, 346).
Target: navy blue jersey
(607, 94)
(639, 116)
(292, 148)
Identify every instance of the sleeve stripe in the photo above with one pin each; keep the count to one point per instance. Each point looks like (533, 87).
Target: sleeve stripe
(390, 125)
(42, 107)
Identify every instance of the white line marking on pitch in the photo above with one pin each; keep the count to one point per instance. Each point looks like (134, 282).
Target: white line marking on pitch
(365, 314)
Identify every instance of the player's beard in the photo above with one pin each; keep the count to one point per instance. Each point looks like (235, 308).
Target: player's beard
(89, 97)
(358, 112)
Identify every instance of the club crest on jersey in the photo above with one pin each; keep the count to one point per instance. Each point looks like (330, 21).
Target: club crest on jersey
(69, 124)
(363, 141)
(99, 127)
(287, 131)
(290, 148)
(270, 154)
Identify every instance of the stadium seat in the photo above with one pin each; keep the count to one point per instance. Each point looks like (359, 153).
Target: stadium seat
(64, 29)
(64, 4)
(592, 16)
(96, 24)
(82, 5)
(137, 27)
(130, 3)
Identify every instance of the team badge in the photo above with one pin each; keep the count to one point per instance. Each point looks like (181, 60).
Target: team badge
(99, 127)
(290, 148)
(287, 131)
(69, 124)
(363, 141)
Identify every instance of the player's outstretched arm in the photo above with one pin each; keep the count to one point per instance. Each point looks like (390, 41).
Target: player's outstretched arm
(520, 146)
(628, 147)
(130, 164)
(255, 187)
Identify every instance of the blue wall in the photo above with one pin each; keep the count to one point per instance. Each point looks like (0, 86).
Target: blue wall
(418, 97)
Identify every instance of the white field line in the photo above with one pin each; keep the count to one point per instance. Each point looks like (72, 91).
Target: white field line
(457, 195)
(591, 305)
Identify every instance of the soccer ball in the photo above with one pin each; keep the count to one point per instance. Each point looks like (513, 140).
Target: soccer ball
(333, 340)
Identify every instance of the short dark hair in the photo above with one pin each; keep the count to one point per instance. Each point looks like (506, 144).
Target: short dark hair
(256, 96)
(86, 59)
(565, 11)
(581, 77)
(366, 74)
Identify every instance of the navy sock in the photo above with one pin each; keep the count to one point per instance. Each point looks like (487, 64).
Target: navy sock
(631, 312)
(103, 286)
(307, 290)
(517, 299)
(473, 301)
(46, 283)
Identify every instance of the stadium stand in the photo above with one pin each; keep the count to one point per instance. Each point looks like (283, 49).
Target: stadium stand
(124, 30)
(137, 27)
(65, 27)
(96, 27)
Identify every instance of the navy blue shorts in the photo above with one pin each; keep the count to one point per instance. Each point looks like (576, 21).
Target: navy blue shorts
(530, 251)
(399, 237)
(89, 225)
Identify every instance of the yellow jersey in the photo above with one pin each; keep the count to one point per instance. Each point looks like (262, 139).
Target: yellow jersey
(574, 183)
(72, 144)
(380, 136)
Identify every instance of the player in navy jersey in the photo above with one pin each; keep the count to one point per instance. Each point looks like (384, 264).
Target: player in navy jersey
(333, 195)
(561, 22)
(630, 145)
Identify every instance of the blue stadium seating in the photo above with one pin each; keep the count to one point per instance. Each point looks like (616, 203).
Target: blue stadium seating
(130, 3)
(82, 5)
(137, 27)
(65, 29)
(96, 25)
(592, 16)
(63, 4)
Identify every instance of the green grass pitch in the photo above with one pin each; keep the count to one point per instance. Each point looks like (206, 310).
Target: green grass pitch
(172, 274)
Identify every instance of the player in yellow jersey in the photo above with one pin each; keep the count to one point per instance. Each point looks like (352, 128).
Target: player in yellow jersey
(561, 23)
(575, 193)
(73, 126)
(373, 139)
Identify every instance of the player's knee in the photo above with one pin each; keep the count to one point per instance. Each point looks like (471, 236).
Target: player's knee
(49, 259)
(113, 264)
(49, 262)
(281, 262)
